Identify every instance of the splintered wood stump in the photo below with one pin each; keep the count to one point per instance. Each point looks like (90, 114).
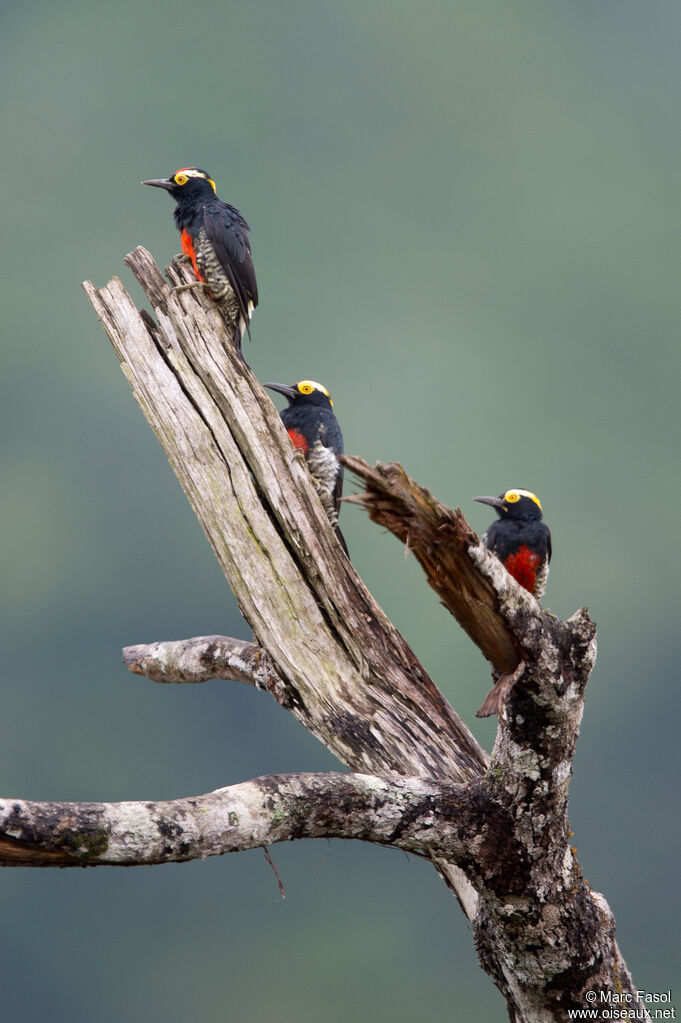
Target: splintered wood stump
(344, 669)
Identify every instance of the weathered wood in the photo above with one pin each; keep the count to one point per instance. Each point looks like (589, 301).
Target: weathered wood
(412, 814)
(326, 651)
(441, 540)
(344, 670)
(200, 659)
(378, 709)
(541, 932)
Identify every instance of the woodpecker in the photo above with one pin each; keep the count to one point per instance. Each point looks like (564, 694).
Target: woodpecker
(215, 237)
(522, 542)
(313, 428)
(519, 538)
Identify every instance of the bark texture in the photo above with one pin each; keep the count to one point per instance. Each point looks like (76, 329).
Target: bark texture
(440, 539)
(496, 830)
(307, 607)
(413, 814)
(202, 658)
(540, 930)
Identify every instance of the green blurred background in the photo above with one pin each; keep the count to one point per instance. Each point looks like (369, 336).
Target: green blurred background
(466, 224)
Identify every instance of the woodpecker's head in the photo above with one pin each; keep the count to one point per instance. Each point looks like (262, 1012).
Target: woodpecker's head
(516, 504)
(186, 183)
(305, 392)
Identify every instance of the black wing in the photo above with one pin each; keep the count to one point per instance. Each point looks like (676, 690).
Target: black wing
(341, 539)
(227, 232)
(338, 488)
(490, 537)
(333, 438)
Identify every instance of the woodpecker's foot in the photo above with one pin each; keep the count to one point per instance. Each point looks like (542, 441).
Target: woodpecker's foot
(194, 284)
(180, 258)
(298, 456)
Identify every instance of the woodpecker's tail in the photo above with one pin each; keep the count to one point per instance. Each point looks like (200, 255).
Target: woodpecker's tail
(341, 539)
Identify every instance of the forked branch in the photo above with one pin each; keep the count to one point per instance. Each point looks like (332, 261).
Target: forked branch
(327, 652)
(441, 541)
(378, 709)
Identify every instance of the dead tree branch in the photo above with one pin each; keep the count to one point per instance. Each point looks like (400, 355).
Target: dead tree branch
(497, 832)
(534, 904)
(440, 539)
(413, 814)
(301, 596)
(203, 658)
(341, 667)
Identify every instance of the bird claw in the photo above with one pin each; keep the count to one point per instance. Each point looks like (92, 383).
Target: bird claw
(180, 258)
(186, 287)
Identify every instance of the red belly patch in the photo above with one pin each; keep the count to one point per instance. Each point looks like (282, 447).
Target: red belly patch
(188, 249)
(298, 440)
(523, 566)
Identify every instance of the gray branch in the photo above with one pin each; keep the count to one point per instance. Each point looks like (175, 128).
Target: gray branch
(412, 814)
(202, 658)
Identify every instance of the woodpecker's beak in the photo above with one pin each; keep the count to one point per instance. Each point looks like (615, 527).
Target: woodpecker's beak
(288, 392)
(160, 183)
(496, 502)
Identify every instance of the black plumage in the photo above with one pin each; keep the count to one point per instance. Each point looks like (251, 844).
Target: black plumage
(313, 428)
(522, 542)
(519, 538)
(215, 236)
